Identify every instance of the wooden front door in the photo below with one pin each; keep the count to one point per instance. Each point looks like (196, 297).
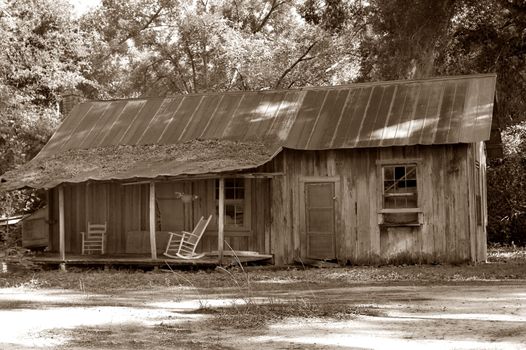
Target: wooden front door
(319, 222)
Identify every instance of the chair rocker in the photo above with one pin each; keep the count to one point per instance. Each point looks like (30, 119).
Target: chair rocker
(182, 245)
(94, 240)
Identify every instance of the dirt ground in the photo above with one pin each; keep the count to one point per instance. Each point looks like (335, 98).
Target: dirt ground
(317, 309)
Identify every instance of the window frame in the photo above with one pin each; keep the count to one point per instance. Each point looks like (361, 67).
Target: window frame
(247, 213)
(380, 165)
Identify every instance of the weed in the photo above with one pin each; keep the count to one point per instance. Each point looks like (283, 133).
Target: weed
(255, 315)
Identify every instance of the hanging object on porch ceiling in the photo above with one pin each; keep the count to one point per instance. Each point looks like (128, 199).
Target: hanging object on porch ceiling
(186, 197)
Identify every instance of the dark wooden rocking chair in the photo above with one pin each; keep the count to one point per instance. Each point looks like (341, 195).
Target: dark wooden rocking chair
(182, 245)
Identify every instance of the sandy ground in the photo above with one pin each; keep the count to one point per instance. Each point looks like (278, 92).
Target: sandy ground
(461, 315)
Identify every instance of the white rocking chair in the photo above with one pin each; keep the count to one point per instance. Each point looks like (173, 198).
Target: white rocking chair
(94, 240)
(182, 245)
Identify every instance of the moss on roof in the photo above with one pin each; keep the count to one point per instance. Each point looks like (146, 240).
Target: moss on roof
(138, 161)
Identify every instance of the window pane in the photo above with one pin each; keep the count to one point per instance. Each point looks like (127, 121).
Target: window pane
(234, 189)
(400, 191)
(389, 173)
(411, 172)
(399, 172)
(233, 215)
(229, 193)
(234, 201)
(230, 183)
(240, 193)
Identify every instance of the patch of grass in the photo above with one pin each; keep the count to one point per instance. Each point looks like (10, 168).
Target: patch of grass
(15, 304)
(250, 283)
(508, 333)
(162, 336)
(506, 254)
(255, 315)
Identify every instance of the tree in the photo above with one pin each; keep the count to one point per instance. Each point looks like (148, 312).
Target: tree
(159, 48)
(41, 55)
(488, 36)
(404, 38)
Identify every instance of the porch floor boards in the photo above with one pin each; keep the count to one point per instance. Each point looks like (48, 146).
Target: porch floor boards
(208, 260)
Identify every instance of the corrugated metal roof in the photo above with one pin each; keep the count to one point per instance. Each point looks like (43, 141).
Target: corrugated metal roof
(433, 111)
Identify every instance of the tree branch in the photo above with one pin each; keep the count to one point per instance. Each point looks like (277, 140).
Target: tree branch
(293, 65)
(274, 7)
(135, 32)
(150, 20)
(175, 63)
(194, 72)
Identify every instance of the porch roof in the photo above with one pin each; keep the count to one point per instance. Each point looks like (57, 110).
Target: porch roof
(140, 161)
(218, 132)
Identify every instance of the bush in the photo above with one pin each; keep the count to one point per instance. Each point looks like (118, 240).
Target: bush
(507, 190)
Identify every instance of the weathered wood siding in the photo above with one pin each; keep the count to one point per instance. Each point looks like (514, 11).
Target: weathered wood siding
(446, 190)
(126, 210)
(448, 186)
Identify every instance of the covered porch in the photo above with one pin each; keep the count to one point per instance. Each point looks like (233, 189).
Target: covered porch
(140, 214)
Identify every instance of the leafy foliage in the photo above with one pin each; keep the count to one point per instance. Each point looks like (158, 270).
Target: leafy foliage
(160, 48)
(488, 36)
(41, 54)
(404, 38)
(507, 193)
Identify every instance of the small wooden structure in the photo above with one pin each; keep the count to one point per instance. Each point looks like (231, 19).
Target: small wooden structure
(35, 230)
(360, 173)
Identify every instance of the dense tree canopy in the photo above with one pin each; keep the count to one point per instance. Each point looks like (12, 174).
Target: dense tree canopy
(166, 47)
(42, 54)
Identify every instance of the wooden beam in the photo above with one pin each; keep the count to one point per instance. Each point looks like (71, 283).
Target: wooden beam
(61, 224)
(153, 243)
(221, 220)
(204, 177)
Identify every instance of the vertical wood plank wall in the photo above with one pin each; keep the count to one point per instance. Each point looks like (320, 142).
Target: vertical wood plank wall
(126, 210)
(446, 184)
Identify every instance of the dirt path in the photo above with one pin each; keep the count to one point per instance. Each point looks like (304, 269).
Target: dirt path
(480, 315)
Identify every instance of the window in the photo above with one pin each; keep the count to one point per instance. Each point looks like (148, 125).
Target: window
(234, 202)
(400, 190)
(399, 193)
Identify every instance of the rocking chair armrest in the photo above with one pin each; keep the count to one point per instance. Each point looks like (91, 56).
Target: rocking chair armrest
(190, 234)
(82, 233)
(177, 234)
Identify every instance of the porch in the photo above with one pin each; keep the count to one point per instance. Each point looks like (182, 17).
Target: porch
(140, 214)
(210, 260)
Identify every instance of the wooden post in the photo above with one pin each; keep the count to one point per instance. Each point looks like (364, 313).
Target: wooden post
(153, 244)
(61, 224)
(221, 220)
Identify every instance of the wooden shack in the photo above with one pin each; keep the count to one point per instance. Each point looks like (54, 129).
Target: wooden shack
(358, 174)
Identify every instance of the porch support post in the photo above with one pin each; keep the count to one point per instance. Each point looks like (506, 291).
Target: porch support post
(153, 244)
(221, 220)
(61, 224)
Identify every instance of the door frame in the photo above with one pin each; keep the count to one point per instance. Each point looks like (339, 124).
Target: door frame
(303, 243)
